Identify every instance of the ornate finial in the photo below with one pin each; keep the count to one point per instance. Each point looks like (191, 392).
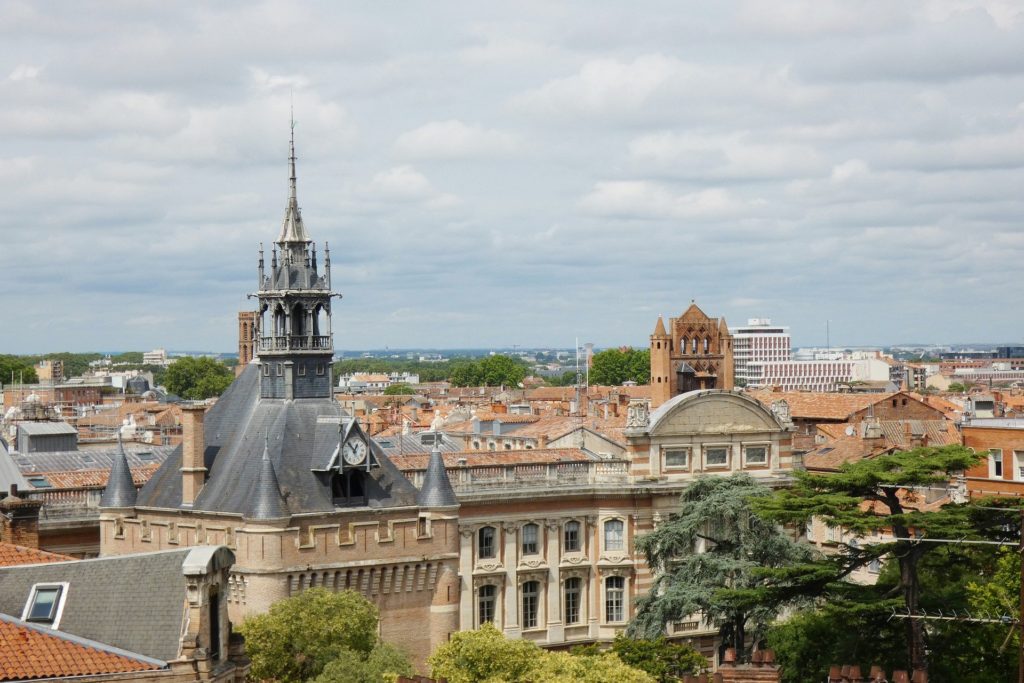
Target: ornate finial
(291, 157)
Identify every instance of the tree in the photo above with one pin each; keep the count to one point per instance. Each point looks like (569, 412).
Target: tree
(197, 378)
(399, 390)
(663, 660)
(871, 496)
(301, 636)
(492, 371)
(16, 369)
(715, 512)
(487, 656)
(958, 387)
(615, 366)
(465, 374)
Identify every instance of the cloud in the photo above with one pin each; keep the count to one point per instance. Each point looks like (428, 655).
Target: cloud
(453, 139)
(643, 199)
(406, 184)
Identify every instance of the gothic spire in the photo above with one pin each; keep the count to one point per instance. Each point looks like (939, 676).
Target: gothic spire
(292, 230)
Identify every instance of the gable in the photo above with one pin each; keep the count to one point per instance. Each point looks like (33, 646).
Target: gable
(711, 412)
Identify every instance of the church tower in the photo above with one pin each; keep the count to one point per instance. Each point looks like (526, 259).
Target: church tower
(295, 344)
(661, 345)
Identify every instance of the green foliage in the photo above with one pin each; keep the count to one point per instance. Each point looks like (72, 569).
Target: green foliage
(18, 368)
(888, 483)
(663, 660)
(958, 387)
(615, 366)
(492, 371)
(299, 637)
(399, 390)
(382, 664)
(128, 357)
(566, 379)
(487, 656)
(738, 546)
(197, 378)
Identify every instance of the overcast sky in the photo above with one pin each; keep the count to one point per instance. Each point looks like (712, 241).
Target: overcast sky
(514, 173)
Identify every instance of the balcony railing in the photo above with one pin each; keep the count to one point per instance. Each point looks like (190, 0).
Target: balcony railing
(297, 343)
(540, 476)
(68, 504)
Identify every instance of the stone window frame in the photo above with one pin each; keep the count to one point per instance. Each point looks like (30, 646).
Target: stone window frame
(996, 464)
(604, 534)
(580, 599)
(621, 591)
(535, 612)
(523, 550)
(579, 536)
(767, 446)
(727, 447)
(494, 599)
(494, 542)
(675, 448)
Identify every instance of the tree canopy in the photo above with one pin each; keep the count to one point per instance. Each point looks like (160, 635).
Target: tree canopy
(16, 369)
(615, 366)
(876, 495)
(323, 636)
(399, 390)
(197, 378)
(492, 371)
(715, 516)
(487, 656)
(663, 660)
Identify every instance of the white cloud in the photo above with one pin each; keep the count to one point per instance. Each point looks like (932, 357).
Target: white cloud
(406, 184)
(453, 139)
(24, 72)
(643, 199)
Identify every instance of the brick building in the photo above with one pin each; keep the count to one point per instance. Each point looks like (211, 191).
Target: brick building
(694, 352)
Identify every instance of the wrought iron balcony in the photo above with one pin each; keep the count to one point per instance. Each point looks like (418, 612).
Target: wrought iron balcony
(297, 343)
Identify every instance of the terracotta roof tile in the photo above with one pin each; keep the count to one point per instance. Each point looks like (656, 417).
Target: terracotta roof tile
(810, 405)
(27, 653)
(830, 456)
(73, 479)
(12, 555)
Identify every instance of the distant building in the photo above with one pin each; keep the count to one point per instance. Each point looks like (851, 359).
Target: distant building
(247, 321)
(759, 341)
(50, 371)
(155, 357)
(695, 352)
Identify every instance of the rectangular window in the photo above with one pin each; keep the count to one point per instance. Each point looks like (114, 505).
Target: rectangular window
(320, 369)
(302, 369)
(266, 369)
(614, 598)
(485, 603)
(530, 532)
(571, 537)
(677, 459)
(717, 456)
(485, 542)
(995, 466)
(755, 455)
(572, 591)
(280, 369)
(531, 592)
(613, 535)
(1018, 458)
(43, 604)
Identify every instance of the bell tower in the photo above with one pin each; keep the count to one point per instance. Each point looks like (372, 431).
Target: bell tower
(294, 341)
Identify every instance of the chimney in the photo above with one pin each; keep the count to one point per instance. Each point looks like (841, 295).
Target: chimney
(193, 445)
(19, 520)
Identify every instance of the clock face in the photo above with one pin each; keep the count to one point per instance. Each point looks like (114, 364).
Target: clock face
(354, 451)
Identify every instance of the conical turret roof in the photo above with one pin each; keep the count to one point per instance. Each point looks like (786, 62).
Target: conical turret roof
(267, 501)
(120, 491)
(292, 230)
(437, 491)
(659, 328)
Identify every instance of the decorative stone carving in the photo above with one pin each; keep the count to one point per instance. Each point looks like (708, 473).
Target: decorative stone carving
(780, 409)
(574, 558)
(532, 564)
(638, 414)
(491, 566)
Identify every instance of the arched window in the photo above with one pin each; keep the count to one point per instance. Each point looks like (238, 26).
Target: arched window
(530, 533)
(486, 599)
(486, 547)
(614, 599)
(571, 537)
(614, 538)
(572, 589)
(531, 602)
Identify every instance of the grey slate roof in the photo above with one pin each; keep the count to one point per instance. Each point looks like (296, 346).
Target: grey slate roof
(89, 459)
(413, 444)
(303, 435)
(267, 503)
(437, 489)
(133, 602)
(120, 491)
(46, 428)
(10, 473)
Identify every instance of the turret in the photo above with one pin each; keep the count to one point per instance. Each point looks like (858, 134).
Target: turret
(266, 502)
(437, 491)
(120, 491)
(661, 373)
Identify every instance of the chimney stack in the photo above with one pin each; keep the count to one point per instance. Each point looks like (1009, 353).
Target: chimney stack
(19, 520)
(193, 445)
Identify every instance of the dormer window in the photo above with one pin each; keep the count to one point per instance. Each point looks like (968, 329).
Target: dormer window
(45, 604)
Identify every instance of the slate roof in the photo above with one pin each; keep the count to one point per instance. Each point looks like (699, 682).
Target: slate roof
(46, 428)
(534, 456)
(139, 459)
(29, 651)
(437, 490)
(303, 436)
(104, 596)
(267, 503)
(120, 491)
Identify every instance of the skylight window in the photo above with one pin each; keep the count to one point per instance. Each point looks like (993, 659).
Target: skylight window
(40, 482)
(45, 604)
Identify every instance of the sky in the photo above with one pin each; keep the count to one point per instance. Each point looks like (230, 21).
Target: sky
(528, 173)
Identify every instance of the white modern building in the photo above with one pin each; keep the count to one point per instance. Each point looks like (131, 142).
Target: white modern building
(758, 342)
(818, 375)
